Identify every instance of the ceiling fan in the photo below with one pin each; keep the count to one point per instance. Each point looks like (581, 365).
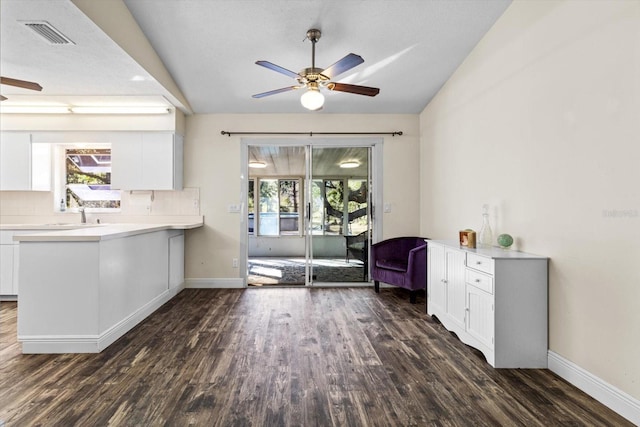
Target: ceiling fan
(18, 83)
(313, 78)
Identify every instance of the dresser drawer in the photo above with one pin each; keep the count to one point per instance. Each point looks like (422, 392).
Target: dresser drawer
(481, 263)
(479, 280)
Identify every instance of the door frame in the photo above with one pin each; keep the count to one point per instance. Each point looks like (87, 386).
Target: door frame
(376, 202)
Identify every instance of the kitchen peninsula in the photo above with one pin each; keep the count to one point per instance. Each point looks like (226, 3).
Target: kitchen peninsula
(82, 289)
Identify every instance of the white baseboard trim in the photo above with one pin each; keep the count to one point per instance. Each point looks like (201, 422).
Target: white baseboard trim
(342, 285)
(119, 329)
(605, 393)
(236, 283)
(58, 344)
(215, 283)
(33, 344)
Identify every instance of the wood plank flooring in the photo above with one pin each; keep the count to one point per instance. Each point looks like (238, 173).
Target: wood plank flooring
(283, 357)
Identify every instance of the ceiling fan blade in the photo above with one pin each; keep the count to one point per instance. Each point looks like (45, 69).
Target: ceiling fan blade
(345, 64)
(20, 83)
(278, 68)
(3, 98)
(276, 91)
(358, 90)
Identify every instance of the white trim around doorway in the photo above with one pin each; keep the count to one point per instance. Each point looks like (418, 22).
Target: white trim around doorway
(376, 144)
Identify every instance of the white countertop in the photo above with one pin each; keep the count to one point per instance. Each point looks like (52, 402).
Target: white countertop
(50, 227)
(89, 232)
(494, 252)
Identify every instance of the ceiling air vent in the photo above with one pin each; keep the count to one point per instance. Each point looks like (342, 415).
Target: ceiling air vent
(48, 32)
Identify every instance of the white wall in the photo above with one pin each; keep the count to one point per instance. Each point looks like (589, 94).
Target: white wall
(542, 121)
(212, 163)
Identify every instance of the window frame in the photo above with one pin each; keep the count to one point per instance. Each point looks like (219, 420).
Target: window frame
(60, 175)
(256, 182)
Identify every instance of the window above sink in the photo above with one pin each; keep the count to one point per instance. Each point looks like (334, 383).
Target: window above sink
(83, 178)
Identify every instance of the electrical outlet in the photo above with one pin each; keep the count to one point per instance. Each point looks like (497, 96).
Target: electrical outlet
(234, 263)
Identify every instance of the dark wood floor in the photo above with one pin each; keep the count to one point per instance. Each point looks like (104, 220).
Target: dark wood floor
(279, 357)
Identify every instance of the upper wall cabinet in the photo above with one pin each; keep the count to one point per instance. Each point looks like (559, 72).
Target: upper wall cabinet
(24, 165)
(146, 161)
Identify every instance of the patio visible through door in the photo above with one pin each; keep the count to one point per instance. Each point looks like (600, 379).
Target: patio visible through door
(308, 214)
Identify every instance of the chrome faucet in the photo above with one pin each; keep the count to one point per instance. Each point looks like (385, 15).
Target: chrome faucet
(83, 216)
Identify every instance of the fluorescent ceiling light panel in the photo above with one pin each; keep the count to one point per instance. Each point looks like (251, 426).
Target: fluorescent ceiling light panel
(257, 165)
(33, 109)
(63, 109)
(120, 110)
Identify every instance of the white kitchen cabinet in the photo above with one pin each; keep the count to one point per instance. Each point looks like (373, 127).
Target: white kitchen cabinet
(15, 161)
(8, 266)
(146, 161)
(24, 166)
(7, 257)
(81, 292)
(495, 300)
(41, 166)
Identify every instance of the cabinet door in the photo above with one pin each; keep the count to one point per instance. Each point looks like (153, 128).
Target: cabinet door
(126, 161)
(157, 161)
(144, 161)
(41, 166)
(437, 292)
(15, 161)
(456, 286)
(6, 269)
(480, 318)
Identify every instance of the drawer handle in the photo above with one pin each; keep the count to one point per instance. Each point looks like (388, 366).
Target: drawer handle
(477, 280)
(478, 262)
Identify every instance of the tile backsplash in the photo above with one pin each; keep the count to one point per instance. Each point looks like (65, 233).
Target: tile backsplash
(26, 203)
(185, 202)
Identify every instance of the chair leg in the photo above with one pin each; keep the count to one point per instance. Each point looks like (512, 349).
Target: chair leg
(376, 285)
(413, 297)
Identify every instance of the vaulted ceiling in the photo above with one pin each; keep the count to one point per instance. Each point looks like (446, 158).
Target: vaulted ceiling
(209, 48)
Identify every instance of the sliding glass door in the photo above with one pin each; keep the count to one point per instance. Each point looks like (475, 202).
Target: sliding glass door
(340, 229)
(308, 213)
(275, 231)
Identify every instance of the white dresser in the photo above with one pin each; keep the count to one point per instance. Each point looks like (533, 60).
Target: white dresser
(494, 299)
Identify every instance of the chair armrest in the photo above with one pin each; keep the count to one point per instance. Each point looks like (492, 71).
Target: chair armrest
(417, 265)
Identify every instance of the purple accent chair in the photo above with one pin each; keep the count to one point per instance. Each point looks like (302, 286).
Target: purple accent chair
(401, 261)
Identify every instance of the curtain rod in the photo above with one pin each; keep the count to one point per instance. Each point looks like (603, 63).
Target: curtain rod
(224, 132)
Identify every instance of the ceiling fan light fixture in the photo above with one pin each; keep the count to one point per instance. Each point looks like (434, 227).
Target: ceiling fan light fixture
(312, 99)
(257, 165)
(349, 164)
(311, 77)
